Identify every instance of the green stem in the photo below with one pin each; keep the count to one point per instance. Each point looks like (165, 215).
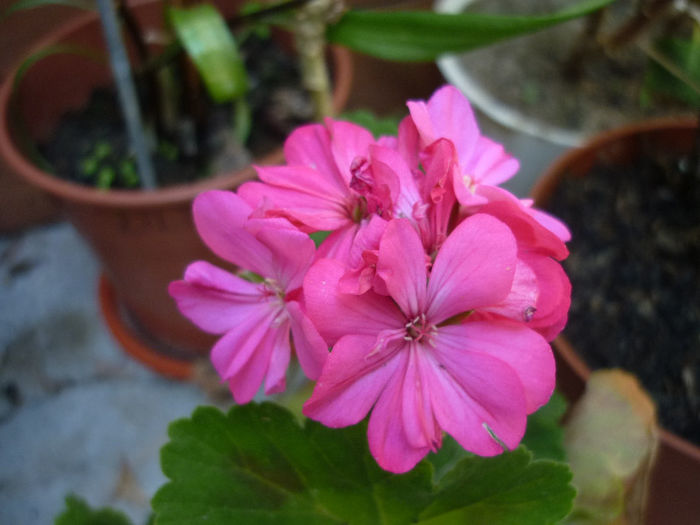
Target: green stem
(310, 39)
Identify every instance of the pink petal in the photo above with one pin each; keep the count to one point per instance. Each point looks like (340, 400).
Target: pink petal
(310, 146)
(408, 143)
(353, 377)
(390, 161)
(234, 349)
(554, 298)
(521, 303)
(526, 353)
(311, 349)
(449, 116)
(220, 217)
(336, 314)
(214, 299)
(471, 391)
(292, 252)
(245, 383)
(401, 266)
(474, 268)
(388, 441)
(553, 224)
(490, 164)
(529, 233)
(348, 141)
(362, 259)
(419, 425)
(339, 244)
(276, 376)
(300, 193)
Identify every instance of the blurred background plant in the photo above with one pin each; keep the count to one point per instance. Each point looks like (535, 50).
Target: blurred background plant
(212, 61)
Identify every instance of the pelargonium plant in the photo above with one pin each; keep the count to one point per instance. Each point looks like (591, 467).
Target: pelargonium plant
(411, 288)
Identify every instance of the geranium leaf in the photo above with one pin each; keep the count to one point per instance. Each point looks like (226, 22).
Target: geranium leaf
(424, 35)
(256, 464)
(545, 436)
(79, 513)
(509, 489)
(209, 43)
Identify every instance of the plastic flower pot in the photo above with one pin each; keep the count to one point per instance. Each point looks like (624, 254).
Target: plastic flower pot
(143, 239)
(673, 496)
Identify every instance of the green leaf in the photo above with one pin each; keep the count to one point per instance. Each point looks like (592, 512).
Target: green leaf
(509, 489)
(424, 35)
(319, 237)
(203, 33)
(79, 513)
(378, 126)
(675, 69)
(22, 5)
(257, 465)
(545, 436)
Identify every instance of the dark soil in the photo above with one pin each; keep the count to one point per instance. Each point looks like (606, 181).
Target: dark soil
(635, 272)
(92, 143)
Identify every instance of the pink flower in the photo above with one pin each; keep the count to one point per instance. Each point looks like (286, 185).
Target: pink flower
(416, 359)
(337, 177)
(448, 115)
(541, 292)
(255, 318)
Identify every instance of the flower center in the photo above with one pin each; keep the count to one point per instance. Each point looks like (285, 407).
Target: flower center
(420, 330)
(272, 287)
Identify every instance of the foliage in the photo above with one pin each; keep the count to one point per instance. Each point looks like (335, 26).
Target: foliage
(256, 464)
(78, 512)
(423, 36)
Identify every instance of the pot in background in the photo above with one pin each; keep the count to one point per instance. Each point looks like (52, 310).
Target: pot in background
(143, 239)
(673, 494)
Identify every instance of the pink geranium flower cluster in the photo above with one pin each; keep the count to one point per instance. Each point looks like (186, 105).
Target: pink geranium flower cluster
(430, 304)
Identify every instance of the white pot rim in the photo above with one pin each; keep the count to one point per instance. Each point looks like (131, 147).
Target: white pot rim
(454, 72)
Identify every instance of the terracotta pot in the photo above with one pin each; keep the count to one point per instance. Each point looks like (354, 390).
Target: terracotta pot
(675, 482)
(143, 239)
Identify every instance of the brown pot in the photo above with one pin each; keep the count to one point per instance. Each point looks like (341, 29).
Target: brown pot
(143, 239)
(674, 496)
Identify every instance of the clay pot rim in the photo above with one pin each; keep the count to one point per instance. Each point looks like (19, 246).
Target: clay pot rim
(556, 170)
(73, 192)
(542, 191)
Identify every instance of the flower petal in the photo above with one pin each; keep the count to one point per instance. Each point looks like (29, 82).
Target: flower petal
(300, 193)
(276, 376)
(554, 298)
(353, 377)
(401, 265)
(336, 314)
(310, 146)
(474, 268)
(388, 441)
(472, 393)
(419, 424)
(292, 252)
(220, 218)
(311, 349)
(348, 141)
(449, 115)
(214, 299)
(525, 352)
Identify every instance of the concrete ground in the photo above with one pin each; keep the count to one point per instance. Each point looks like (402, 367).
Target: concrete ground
(76, 414)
